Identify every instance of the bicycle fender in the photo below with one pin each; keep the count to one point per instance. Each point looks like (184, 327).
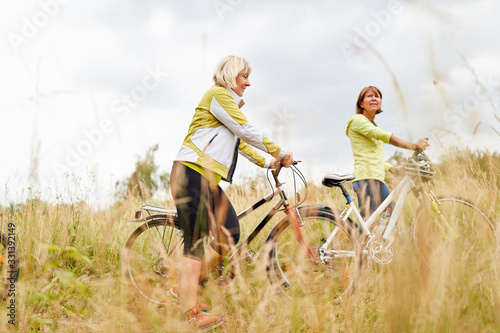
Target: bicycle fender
(319, 209)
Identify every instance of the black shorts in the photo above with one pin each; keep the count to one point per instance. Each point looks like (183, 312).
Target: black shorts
(203, 207)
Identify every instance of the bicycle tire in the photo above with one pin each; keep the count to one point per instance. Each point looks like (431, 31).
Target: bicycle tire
(9, 267)
(293, 270)
(473, 240)
(152, 254)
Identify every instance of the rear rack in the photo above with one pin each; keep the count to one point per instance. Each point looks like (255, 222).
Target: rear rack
(156, 209)
(139, 216)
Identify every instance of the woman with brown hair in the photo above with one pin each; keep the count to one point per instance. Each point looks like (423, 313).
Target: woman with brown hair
(367, 143)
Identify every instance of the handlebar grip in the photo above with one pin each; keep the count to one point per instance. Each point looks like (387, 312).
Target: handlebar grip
(276, 172)
(418, 150)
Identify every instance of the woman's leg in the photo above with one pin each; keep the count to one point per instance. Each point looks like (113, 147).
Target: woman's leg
(190, 196)
(210, 260)
(384, 193)
(371, 193)
(364, 192)
(227, 233)
(226, 230)
(188, 277)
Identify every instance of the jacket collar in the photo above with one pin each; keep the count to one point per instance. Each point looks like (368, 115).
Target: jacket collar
(239, 101)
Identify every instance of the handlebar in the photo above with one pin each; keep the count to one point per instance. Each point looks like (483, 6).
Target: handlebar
(420, 165)
(276, 172)
(418, 150)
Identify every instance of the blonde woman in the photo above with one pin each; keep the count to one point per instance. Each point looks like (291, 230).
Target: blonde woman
(218, 132)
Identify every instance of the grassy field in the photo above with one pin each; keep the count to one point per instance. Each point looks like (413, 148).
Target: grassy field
(72, 278)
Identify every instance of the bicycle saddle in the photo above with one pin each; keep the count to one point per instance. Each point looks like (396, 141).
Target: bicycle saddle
(332, 179)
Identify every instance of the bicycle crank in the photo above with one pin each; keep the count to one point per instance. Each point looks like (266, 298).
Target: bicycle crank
(379, 251)
(161, 268)
(325, 259)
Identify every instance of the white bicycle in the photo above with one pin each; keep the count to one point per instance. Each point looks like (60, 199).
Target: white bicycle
(439, 219)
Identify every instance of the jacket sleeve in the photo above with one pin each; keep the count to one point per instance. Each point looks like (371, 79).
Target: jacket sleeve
(253, 156)
(366, 128)
(227, 112)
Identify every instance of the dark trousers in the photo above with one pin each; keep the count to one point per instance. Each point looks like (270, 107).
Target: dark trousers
(203, 207)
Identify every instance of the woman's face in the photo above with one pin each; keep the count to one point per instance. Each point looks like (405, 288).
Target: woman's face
(371, 102)
(242, 82)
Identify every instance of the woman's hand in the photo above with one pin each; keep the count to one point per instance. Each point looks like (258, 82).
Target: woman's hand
(421, 144)
(273, 163)
(287, 160)
(398, 169)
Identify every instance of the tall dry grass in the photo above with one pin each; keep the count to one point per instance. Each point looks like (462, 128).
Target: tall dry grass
(72, 278)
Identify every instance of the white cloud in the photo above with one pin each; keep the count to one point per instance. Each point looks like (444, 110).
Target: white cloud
(63, 81)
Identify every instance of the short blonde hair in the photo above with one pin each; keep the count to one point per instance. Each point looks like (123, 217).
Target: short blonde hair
(228, 69)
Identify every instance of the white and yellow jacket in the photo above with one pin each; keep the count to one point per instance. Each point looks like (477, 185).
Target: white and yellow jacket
(219, 130)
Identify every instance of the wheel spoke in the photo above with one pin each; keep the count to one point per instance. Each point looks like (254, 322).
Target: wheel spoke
(458, 228)
(153, 253)
(298, 275)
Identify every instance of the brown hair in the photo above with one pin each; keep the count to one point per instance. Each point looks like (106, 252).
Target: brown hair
(361, 97)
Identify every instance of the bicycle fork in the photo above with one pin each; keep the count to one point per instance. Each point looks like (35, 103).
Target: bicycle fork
(298, 233)
(440, 220)
(296, 226)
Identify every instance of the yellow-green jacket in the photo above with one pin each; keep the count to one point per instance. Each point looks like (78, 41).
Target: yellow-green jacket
(219, 130)
(367, 143)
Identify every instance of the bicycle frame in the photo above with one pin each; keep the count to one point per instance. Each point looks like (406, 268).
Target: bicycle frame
(403, 189)
(248, 239)
(243, 244)
(283, 202)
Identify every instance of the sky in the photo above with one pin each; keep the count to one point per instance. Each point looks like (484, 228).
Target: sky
(89, 86)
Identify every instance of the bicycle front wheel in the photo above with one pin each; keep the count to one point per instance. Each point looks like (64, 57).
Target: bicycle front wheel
(152, 256)
(458, 228)
(293, 269)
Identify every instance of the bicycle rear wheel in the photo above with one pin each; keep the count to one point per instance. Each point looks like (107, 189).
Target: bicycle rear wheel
(293, 269)
(152, 255)
(9, 267)
(464, 232)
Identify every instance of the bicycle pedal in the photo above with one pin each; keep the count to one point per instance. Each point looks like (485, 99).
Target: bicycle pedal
(222, 281)
(249, 255)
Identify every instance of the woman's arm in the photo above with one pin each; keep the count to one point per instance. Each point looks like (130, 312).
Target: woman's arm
(396, 169)
(225, 110)
(247, 151)
(421, 144)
